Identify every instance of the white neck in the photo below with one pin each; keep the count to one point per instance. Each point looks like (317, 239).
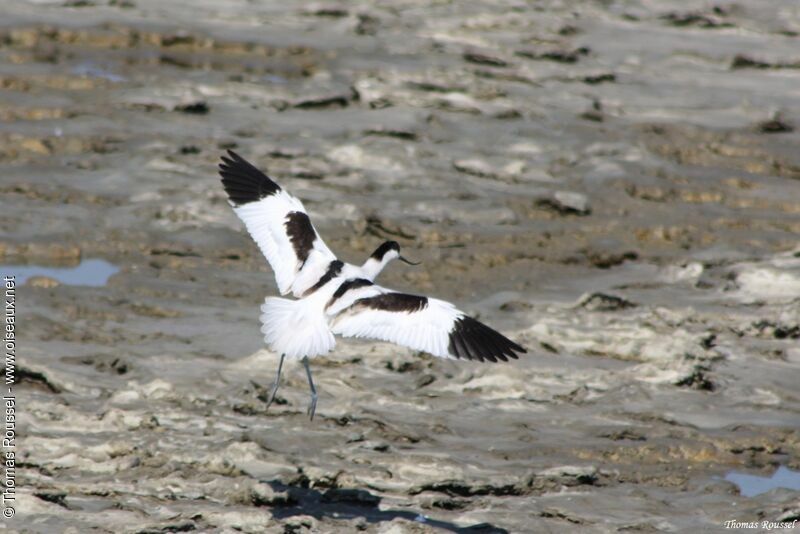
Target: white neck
(373, 267)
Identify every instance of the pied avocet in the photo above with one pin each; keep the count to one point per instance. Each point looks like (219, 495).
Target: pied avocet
(333, 297)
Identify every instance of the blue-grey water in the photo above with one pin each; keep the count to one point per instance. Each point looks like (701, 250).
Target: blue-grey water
(91, 272)
(752, 485)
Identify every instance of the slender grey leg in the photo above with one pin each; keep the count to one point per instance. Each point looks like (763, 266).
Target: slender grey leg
(276, 384)
(313, 406)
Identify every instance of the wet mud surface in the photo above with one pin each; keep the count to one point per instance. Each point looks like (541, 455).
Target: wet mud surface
(614, 185)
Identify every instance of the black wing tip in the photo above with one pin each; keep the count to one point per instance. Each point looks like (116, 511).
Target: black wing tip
(233, 159)
(472, 340)
(243, 182)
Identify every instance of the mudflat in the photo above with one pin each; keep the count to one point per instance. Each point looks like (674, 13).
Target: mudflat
(614, 185)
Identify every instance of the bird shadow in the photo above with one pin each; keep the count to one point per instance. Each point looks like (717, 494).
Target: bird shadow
(345, 504)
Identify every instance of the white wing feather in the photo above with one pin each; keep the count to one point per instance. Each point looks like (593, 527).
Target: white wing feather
(281, 228)
(426, 330)
(265, 220)
(268, 213)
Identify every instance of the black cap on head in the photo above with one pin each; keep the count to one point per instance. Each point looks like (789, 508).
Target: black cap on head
(381, 251)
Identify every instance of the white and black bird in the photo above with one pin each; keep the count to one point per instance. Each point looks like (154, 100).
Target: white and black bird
(333, 297)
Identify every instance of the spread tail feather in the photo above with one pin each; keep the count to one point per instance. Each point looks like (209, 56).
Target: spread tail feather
(293, 328)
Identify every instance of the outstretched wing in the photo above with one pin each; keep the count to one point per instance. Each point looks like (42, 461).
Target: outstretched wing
(362, 309)
(280, 226)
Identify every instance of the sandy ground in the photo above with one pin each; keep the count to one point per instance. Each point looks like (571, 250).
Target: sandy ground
(613, 184)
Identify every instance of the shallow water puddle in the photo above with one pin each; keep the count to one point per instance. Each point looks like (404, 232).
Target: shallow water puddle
(92, 70)
(752, 485)
(92, 272)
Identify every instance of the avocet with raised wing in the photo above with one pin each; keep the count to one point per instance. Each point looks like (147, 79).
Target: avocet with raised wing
(333, 297)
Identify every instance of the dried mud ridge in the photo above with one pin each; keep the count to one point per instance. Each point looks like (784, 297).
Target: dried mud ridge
(616, 188)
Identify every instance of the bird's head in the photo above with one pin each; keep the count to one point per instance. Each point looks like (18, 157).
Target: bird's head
(388, 251)
(379, 259)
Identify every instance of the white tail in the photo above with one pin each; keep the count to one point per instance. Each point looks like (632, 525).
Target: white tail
(294, 328)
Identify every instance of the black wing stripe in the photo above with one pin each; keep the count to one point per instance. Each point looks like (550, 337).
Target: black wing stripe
(301, 234)
(501, 344)
(476, 346)
(473, 353)
(489, 345)
(480, 342)
(243, 182)
(472, 339)
(457, 347)
(457, 343)
(334, 268)
(394, 302)
(344, 287)
(506, 345)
